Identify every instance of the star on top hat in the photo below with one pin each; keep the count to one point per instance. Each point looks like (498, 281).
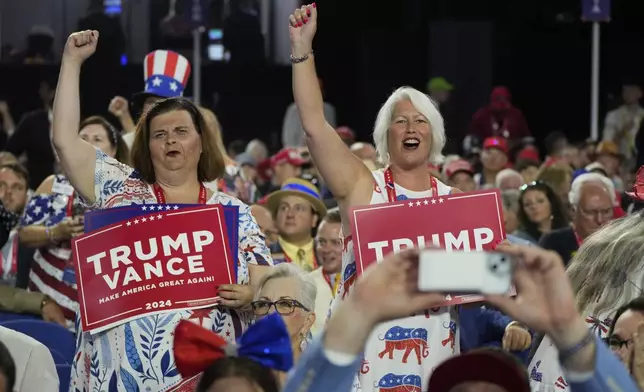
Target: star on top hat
(166, 74)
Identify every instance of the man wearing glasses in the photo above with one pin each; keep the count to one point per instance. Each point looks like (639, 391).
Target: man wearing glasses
(592, 197)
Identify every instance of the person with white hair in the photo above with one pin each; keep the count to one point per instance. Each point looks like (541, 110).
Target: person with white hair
(409, 134)
(592, 197)
(291, 292)
(508, 179)
(606, 273)
(257, 149)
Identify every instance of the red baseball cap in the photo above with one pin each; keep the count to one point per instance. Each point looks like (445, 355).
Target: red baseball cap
(529, 153)
(346, 133)
(288, 155)
(459, 165)
(496, 142)
(482, 365)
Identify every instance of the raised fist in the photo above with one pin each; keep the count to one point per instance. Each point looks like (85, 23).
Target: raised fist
(118, 107)
(80, 46)
(303, 23)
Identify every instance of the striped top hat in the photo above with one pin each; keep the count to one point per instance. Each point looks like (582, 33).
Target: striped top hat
(166, 74)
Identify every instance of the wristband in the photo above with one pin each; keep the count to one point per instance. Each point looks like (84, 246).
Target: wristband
(45, 301)
(566, 354)
(297, 60)
(50, 234)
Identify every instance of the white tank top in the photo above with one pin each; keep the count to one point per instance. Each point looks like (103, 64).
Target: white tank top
(401, 354)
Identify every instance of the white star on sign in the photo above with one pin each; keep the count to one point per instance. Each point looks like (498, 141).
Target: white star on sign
(37, 210)
(144, 220)
(440, 200)
(152, 218)
(433, 201)
(136, 221)
(175, 208)
(418, 203)
(411, 204)
(144, 208)
(159, 216)
(425, 202)
(156, 82)
(173, 86)
(129, 223)
(167, 208)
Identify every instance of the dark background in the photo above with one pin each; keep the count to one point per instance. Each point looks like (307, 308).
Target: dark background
(364, 50)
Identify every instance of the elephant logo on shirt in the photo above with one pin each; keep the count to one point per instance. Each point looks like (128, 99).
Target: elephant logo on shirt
(348, 278)
(408, 339)
(364, 368)
(535, 374)
(451, 337)
(399, 383)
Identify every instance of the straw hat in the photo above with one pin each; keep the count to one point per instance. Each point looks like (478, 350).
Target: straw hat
(297, 187)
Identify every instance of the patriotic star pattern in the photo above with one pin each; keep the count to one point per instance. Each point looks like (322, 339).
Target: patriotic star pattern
(166, 73)
(394, 382)
(390, 354)
(137, 355)
(49, 263)
(545, 372)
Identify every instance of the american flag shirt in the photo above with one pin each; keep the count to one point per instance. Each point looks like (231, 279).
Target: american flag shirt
(47, 274)
(137, 355)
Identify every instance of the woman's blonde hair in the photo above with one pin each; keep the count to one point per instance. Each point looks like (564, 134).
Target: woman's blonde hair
(555, 174)
(215, 127)
(606, 271)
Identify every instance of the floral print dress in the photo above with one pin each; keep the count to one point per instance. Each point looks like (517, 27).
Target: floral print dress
(137, 355)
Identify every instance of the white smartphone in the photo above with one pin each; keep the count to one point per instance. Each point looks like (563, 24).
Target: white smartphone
(464, 272)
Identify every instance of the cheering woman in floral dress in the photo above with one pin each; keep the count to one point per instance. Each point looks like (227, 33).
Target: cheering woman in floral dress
(173, 154)
(408, 135)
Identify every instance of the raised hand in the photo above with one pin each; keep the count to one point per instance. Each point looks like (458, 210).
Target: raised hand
(303, 24)
(119, 107)
(389, 289)
(80, 46)
(545, 301)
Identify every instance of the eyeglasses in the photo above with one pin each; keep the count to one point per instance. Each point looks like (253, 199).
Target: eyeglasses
(605, 213)
(282, 306)
(617, 343)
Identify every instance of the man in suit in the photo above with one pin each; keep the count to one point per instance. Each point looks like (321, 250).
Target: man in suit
(545, 302)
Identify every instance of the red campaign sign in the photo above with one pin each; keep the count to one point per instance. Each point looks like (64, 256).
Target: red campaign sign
(155, 263)
(470, 221)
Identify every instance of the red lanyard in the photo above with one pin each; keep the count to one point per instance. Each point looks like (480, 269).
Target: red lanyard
(577, 238)
(70, 205)
(334, 287)
(391, 188)
(158, 192)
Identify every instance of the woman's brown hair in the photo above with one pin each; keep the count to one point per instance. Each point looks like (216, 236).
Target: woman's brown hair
(211, 163)
(122, 151)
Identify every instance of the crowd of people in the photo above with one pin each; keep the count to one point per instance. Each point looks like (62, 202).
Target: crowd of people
(299, 318)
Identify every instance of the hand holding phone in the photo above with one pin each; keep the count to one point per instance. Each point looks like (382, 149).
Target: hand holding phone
(464, 272)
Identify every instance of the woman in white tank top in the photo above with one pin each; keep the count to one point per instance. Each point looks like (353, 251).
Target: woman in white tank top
(409, 134)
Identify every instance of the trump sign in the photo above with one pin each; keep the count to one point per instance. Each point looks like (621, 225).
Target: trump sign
(159, 262)
(460, 222)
